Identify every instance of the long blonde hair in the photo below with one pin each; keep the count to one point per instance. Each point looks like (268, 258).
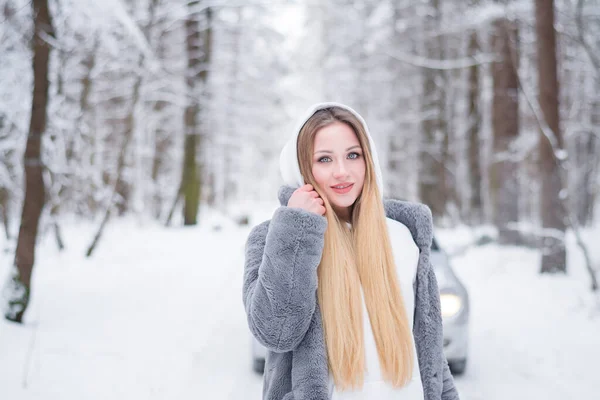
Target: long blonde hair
(361, 256)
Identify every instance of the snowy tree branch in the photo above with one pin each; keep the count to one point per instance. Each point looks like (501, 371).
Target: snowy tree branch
(429, 63)
(588, 48)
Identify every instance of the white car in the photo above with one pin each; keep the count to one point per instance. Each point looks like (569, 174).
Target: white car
(455, 314)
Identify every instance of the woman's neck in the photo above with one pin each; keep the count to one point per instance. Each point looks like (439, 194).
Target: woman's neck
(344, 214)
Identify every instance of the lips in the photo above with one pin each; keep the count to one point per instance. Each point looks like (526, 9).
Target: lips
(342, 188)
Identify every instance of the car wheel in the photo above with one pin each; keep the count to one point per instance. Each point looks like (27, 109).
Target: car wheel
(458, 367)
(258, 365)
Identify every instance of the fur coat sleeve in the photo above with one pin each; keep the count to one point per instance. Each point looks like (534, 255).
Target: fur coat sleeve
(280, 276)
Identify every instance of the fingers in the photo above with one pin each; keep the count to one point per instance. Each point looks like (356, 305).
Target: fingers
(319, 206)
(303, 201)
(310, 189)
(321, 210)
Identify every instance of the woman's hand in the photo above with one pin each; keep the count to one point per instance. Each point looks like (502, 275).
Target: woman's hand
(307, 198)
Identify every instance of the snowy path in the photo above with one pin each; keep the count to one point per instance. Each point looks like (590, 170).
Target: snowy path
(532, 337)
(157, 317)
(157, 314)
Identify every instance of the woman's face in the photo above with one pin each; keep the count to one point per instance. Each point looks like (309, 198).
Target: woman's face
(338, 166)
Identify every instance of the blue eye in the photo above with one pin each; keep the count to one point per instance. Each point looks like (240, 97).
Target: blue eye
(353, 156)
(324, 159)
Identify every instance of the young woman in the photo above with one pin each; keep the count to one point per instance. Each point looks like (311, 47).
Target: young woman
(338, 284)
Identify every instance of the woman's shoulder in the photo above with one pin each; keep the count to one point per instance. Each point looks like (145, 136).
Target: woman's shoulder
(415, 216)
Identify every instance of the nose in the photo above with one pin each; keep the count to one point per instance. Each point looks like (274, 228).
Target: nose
(340, 170)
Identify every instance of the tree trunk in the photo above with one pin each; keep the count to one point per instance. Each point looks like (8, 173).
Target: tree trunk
(84, 124)
(595, 181)
(432, 179)
(163, 135)
(587, 153)
(119, 183)
(584, 175)
(20, 285)
(552, 210)
(163, 141)
(451, 45)
(191, 182)
(396, 143)
(473, 136)
(198, 50)
(231, 147)
(4, 212)
(505, 126)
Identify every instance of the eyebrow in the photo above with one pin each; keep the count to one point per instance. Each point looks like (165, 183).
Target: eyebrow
(331, 152)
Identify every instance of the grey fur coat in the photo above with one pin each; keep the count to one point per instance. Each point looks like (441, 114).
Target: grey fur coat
(279, 295)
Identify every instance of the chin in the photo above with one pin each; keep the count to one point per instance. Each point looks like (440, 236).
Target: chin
(340, 206)
(342, 201)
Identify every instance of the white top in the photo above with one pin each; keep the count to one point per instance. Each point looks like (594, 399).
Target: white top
(406, 256)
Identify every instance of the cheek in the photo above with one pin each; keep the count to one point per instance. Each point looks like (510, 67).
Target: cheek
(360, 173)
(320, 175)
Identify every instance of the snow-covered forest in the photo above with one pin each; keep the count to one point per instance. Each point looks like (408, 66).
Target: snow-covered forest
(140, 133)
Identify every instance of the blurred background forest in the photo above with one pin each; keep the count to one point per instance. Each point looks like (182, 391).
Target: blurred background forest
(488, 111)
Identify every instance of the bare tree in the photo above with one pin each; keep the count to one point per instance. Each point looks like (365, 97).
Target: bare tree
(563, 164)
(505, 126)
(586, 150)
(4, 212)
(231, 139)
(164, 135)
(5, 193)
(474, 123)
(435, 135)
(589, 48)
(586, 163)
(121, 189)
(198, 50)
(552, 207)
(20, 285)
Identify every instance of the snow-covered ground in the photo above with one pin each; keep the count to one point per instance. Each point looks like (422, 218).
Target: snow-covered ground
(157, 314)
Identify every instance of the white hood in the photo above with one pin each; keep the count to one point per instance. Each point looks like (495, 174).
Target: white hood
(288, 160)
